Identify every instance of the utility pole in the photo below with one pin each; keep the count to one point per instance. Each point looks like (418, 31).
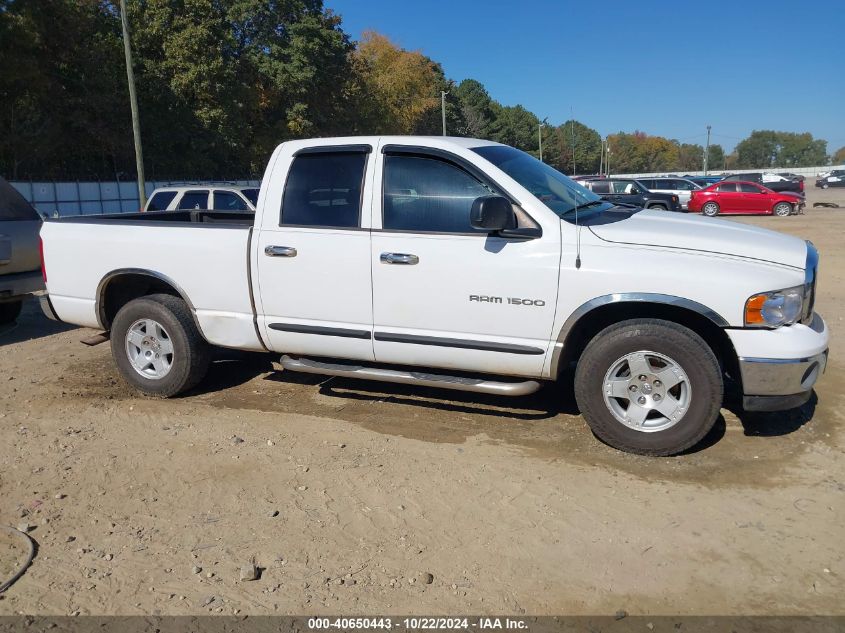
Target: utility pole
(572, 127)
(706, 150)
(607, 157)
(601, 156)
(133, 104)
(540, 135)
(443, 94)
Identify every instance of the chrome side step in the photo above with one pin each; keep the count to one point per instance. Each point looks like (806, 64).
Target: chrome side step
(440, 381)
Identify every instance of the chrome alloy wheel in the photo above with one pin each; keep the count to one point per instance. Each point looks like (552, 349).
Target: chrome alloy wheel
(149, 349)
(647, 391)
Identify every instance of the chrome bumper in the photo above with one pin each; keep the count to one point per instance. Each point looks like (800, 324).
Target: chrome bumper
(775, 384)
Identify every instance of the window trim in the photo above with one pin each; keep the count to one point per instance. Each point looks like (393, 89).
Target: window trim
(458, 162)
(329, 149)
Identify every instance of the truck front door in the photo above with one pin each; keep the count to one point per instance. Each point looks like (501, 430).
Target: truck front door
(445, 294)
(314, 291)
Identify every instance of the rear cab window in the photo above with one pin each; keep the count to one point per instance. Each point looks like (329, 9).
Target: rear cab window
(323, 189)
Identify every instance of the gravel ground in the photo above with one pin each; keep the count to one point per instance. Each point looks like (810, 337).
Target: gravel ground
(365, 498)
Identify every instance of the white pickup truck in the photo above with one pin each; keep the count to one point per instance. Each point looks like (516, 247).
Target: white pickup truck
(461, 264)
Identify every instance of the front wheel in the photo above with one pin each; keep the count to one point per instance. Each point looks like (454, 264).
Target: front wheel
(649, 386)
(658, 207)
(825, 186)
(783, 209)
(157, 346)
(710, 209)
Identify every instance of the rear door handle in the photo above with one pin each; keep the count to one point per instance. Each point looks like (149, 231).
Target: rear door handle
(280, 251)
(399, 258)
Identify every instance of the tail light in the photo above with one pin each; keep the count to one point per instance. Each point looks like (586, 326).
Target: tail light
(801, 185)
(41, 254)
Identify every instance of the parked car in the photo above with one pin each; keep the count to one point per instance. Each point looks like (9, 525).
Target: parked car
(629, 191)
(20, 265)
(771, 181)
(832, 172)
(680, 187)
(217, 197)
(745, 198)
(834, 180)
(789, 175)
(459, 264)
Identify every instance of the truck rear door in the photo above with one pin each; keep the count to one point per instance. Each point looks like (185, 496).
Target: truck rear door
(314, 291)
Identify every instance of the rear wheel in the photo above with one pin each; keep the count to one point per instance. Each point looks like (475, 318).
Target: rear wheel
(825, 185)
(10, 310)
(783, 209)
(658, 207)
(649, 386)
(157, 346)
(710, 209)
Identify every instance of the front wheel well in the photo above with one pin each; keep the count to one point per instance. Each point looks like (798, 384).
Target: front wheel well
(119, 289)
(593, 322)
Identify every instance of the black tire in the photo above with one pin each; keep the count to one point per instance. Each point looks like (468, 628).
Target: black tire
(710, 209)
(825, 186)
(658, 207)
(191, 353)
(10, 310)
(683, 346)
(782, 209)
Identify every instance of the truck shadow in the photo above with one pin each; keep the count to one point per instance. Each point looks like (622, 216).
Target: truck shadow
(777, 423)
(30, 325)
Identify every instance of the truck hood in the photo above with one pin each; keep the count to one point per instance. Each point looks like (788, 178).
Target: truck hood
(707, 235)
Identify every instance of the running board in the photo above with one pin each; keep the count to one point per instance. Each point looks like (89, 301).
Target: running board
(440, 381)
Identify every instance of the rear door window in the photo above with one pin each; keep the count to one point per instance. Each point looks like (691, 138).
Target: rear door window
(745, 187)
(600, 186)
(324, 190)
(194, 200)
(161, 200)
(726, 187)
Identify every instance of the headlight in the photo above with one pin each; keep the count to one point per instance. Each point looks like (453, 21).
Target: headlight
(773, 309)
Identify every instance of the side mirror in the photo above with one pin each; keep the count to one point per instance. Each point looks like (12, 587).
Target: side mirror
(492, 213)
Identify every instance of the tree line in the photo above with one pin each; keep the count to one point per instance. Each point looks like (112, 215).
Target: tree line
(222, 82)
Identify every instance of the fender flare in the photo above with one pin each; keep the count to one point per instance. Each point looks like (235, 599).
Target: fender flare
(587, 307)
(99, 304)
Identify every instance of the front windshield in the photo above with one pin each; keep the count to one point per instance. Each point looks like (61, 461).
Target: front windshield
(551, 187)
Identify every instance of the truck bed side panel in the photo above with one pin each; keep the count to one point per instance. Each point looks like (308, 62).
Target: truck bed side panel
(206, 263)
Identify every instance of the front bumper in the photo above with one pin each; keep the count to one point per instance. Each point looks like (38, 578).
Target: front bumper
(775, 384)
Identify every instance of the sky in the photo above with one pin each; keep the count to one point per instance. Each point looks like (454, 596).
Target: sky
(665, 67)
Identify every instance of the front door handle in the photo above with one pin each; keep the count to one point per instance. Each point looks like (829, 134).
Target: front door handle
(280, 251)
(399, 258)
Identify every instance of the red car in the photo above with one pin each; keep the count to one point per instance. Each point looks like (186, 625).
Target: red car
(746, 198)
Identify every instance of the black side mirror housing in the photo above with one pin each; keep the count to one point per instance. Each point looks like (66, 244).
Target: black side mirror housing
(492, 213)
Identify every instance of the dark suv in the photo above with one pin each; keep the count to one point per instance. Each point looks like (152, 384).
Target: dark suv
(630, 191)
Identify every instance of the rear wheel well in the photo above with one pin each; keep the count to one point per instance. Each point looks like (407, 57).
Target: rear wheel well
(121, 289)
(603, 316)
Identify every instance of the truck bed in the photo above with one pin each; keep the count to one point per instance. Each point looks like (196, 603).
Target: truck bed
(203, 255)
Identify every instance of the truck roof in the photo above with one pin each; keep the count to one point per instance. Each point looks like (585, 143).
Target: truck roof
(432, 141)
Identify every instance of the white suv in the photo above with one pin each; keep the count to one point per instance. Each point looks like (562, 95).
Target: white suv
(202, 197)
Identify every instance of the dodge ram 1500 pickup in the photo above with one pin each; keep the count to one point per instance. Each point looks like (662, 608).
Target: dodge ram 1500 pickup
(460, 264)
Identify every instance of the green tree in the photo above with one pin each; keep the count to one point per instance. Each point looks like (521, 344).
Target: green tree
(715, 158)
(573, 147)
(516, 126)
(838, 156)
(764, 149)
(476, 109)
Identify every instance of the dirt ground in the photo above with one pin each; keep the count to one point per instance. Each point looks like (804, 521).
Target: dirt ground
(365, 498)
